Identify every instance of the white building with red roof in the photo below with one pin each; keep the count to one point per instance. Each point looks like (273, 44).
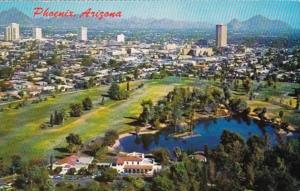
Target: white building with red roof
(73, 161)
(136, 164)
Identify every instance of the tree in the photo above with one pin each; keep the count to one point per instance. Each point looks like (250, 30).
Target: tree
(280, 114)
(76, 110)
(238, 105)
(51, 120)
(227, 92)
(127, 86)
(55, 59)
(262, 114)
(16, 164)
(110, 138)
(6, 72)
(136, 73)
(87, 60)
(176, 116)
(34, 178)
(116, 93)
(107, 175)
(247, 84)
(73, 139)
(163, 183)
(87, 103)
(2, 170)
(57, 117)
(298, 102)
(101, 152)
(147, 114)
(264, 181)
(233, 145)
(161, 155)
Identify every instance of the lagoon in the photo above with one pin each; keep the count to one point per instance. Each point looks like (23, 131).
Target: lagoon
(205, 132)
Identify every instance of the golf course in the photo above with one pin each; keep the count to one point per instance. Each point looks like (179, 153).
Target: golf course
(21, 132)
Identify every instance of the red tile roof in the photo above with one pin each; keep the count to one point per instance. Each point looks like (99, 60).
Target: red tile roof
(122, 159)
(70, 160)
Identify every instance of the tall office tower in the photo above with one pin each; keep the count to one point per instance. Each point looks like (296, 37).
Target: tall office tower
(83, 34)
(121, 38)
(221, 35)
(12, 32)
(37, 33)
(7, 34)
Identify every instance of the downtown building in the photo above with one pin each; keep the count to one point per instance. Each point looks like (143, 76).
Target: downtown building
(12, 32)
(221, 35)
(83, 34)
(37, 33)
(121, 38)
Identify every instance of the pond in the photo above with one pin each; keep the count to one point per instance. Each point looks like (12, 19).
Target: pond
(206, 132)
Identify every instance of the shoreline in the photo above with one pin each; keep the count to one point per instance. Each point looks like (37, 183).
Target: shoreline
(147, 130)
(144, 130)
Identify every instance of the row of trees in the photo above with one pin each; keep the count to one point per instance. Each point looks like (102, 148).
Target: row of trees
(76, 109)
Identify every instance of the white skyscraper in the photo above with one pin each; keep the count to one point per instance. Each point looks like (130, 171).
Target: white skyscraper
(37, 33)
(121, 38)
(83, 34)
(7, 34)
(12, 32)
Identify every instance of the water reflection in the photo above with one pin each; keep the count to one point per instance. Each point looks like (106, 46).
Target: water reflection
(206, 132)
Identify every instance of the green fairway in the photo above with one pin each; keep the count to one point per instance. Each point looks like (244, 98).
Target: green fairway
(20, 131)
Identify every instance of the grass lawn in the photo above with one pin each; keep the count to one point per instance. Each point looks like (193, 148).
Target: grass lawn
(20, 131)
(275, 100)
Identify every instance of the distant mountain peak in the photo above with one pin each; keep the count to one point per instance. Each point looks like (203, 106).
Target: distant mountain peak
(258, 23)
(14, 15)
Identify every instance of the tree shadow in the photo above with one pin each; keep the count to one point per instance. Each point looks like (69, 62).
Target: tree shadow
(135, 121)
(61, 149)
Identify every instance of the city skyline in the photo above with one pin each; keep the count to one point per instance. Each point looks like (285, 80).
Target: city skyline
(215, 11)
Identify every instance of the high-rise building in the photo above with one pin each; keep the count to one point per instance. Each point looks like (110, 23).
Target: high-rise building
(121, 38)
(7, 34)
(37, 33)
(221, 35)
(83, 34)
(12, 32)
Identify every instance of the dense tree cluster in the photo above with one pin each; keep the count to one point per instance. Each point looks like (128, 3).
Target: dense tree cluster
(239, 165)
(115, 92)
(181, 104)
(74, 142)
(235, 165)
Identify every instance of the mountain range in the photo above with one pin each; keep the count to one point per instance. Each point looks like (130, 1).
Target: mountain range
(256, 23)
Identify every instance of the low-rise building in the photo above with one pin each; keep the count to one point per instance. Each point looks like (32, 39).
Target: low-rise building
(73, 161)
(136, 164)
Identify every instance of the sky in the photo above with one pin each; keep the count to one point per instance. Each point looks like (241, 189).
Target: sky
(211, 11)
